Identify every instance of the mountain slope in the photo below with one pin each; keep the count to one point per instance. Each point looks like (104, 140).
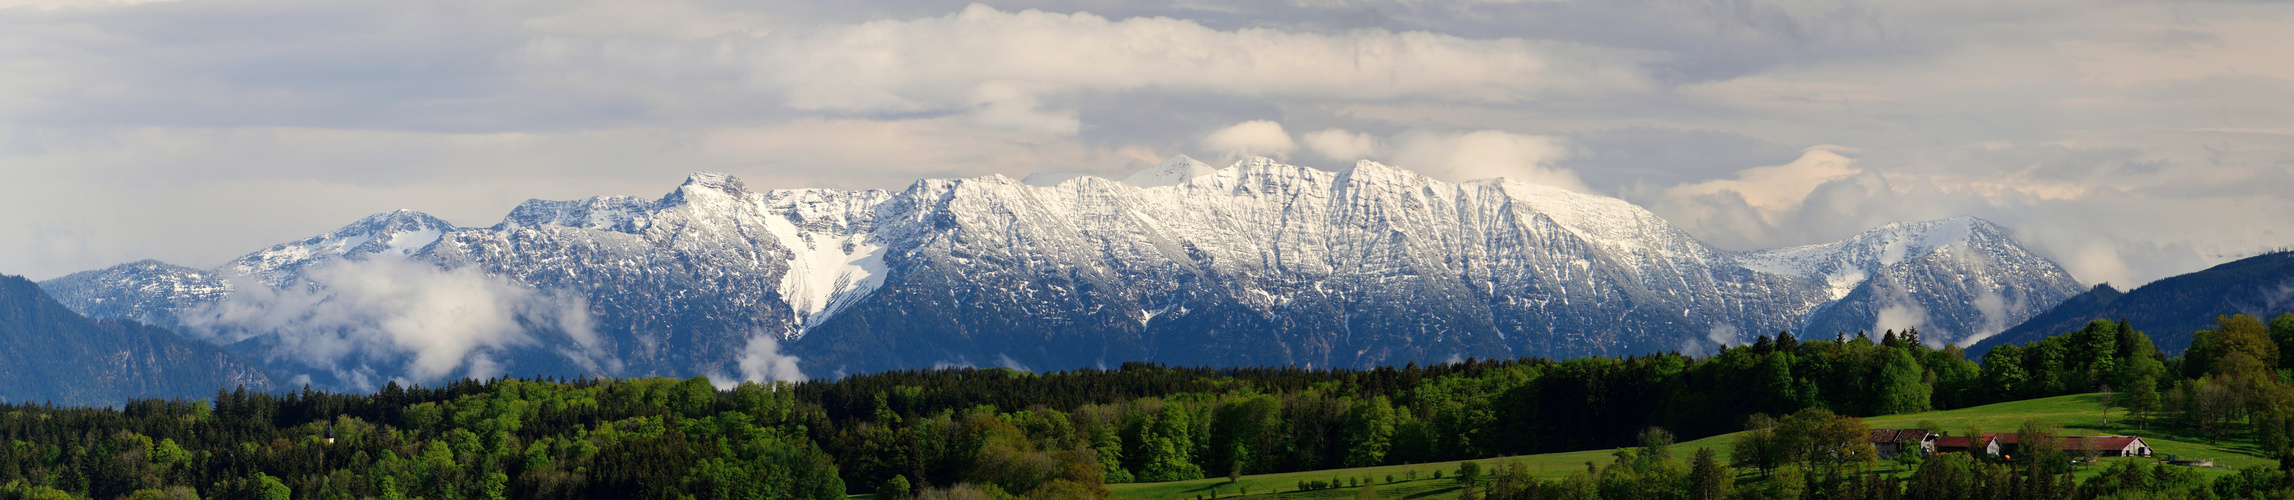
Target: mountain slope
(398, 234)
(1264, 263)
(1257, 263)
(1958, 278)
(49, 353)
(2171, 309)
(149, 291)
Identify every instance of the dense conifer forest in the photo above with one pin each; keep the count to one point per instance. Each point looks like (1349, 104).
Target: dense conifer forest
(999, 433)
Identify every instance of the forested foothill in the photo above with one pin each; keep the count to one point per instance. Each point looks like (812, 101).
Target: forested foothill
(1000, 433)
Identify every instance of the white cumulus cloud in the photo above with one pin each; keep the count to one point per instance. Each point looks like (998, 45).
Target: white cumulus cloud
(1251, 138)
(762, 361)
(1340, 145)
(1774, 190)
(1486, 154)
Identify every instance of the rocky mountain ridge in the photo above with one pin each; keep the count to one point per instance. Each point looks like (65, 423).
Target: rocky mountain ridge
(2172, 309)
(1259, 263)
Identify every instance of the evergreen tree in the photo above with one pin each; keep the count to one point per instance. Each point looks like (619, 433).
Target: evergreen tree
(1707, 479)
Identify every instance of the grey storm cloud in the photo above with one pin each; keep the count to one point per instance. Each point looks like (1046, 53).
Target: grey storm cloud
(2111, 137)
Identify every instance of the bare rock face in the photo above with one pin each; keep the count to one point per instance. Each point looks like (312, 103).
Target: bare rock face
(147, 291)
(1258, 263)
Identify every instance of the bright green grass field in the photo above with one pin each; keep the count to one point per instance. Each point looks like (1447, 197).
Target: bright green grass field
(2079, 414)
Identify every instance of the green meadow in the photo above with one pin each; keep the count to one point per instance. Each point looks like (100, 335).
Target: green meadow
(2079, 414)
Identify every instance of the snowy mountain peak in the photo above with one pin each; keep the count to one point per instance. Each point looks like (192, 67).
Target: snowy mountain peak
(1926, 234)
(1843, 265)
(394, 222)
(705, 185)
(147, 265)
(1257, 163)
(1366, 171)
(1366, 164)
(1257, 263)
(1959, 279)
(1172, 172)
(400, 233)
(1880, 246)
(713, 180)
(149, 291)
(1049, 179)
(621, 214)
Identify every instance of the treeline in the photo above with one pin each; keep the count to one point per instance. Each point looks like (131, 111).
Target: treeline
(1155, 423)
(1006, 433)
(648, 438)
(2228, 387)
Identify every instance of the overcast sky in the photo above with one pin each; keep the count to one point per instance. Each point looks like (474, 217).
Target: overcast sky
(2127, 140)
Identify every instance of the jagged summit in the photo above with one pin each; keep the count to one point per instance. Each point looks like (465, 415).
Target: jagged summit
(1049, 179)
(1174, 171)
(394, 223)
(399, 233)
(1880, 246)
(621, 214)
(145, 265)
(1258, 263)
(713, 180)
(147, 291)
(609, 213)
(1963, 277)
(705, 186)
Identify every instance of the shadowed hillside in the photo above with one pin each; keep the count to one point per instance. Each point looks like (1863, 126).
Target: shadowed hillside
(49, 353)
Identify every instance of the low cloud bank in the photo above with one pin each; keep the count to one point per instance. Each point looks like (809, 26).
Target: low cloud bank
(763, 362)
(367, 322)
(1449, 155)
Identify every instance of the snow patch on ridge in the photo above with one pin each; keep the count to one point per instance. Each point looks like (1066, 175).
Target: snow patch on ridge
(1849, 261)
(407, 243)
(624, 214)
(1049, 179)
(827, 271)
(1844, 280)
(399, 233)
(1615, 224)
(1546, 271)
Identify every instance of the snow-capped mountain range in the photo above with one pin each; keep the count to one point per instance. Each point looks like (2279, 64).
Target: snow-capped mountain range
(1258, 263)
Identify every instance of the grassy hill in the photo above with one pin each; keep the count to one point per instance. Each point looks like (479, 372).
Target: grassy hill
(2082, 414)
(2079, 414)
